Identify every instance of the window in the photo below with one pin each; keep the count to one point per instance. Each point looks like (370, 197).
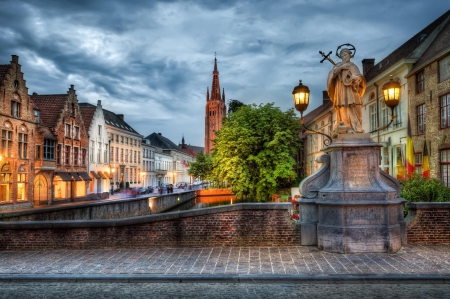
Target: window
(126, 140)
(121, 139)
(99, 130)
(398, 116)
(121, 155)
(38, 152)
(91, 154)
(420, 82)
(58, 154)
(72, 109)
(117, 154)
(445, 166)
(23, 145)
(15, 109)
(21, 184)
(68, 130)
(49, 149)
(99, 152)
(444, 69)
(384, 115)
(111, 154)
(6, 142)
(373, 117)
(67, 155)
(75, 156)
(418, 163)
(117, 138)
(421, 113)
(76, 133)
(83, 157)
(445, 111)
(37, 114)
(385, 162)
(126, 156)
(139, 157)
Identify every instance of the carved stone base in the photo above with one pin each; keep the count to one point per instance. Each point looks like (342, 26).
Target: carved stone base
(357, 205)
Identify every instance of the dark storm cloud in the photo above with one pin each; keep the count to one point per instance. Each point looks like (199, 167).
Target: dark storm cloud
(152, 60)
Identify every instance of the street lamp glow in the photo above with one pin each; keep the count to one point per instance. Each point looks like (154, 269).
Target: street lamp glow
(301, 97)
(391, 93)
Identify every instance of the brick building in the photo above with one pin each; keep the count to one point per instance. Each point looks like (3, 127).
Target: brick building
(429, 93)
(19, 130)
(215, 110)
(63, 143)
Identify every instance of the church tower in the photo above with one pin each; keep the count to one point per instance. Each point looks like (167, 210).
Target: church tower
(215, 110)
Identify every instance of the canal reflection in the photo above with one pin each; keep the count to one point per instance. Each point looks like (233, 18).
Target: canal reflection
(200, 202)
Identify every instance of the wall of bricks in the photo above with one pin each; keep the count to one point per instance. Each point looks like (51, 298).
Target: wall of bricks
(428, 223)
(236, 225)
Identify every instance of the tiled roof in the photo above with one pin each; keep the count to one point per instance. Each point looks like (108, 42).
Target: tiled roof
(87, 113)
(160, 141)
(4, 68)
(438, 48)
(51, 106)
(405, 50)
(114, 120)
(189, 152)
(47, 133)
(316, 112)
(194, 149)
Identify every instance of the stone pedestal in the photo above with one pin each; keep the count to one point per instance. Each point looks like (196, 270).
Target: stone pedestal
(357, 208)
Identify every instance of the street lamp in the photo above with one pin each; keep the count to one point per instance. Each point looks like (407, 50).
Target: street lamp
(301, 102)
(391, 97)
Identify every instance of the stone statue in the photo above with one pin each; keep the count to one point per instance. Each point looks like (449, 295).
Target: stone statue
(346, 86)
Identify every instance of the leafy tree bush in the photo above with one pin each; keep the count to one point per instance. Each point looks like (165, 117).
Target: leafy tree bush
(420, 189)
(202, 167)
(127, 185)
(254, 150)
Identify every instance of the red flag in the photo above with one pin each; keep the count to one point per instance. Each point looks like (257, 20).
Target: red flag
(425, 161)
(409, 152)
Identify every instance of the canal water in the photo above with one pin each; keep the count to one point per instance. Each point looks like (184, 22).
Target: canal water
(209, 201)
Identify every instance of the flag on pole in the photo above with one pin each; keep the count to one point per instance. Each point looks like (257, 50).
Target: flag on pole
(409, 152)
(425, 161)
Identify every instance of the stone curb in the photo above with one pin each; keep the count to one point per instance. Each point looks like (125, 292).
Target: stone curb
(233, 278)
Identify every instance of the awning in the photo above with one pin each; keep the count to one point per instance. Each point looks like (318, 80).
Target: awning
(65, 176)
(75, 176)
(95, 175)
(101, 174)
(106, 174)
(85, 176)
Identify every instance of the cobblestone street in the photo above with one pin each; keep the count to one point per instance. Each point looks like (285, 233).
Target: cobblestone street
(220, 290)
(411, 259)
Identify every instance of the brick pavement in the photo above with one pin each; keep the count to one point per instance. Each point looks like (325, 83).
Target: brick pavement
(262, 261)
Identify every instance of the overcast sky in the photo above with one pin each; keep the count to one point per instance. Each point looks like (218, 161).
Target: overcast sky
(153, 60)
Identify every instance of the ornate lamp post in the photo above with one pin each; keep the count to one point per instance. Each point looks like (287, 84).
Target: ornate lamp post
(391, 96)
(301, 102)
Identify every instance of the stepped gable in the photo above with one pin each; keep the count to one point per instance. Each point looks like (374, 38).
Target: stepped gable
(4, 69)
(406, 50)
(87, 113)
(116, 120)
(439, 47)
(51, 107)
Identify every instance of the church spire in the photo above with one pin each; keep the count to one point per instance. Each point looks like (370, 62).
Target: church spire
(215, 88)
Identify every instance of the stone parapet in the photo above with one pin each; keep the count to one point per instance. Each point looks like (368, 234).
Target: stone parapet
(428, 223)
(249, 224)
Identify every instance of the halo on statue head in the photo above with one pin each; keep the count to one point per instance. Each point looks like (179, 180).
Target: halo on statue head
(349, 49)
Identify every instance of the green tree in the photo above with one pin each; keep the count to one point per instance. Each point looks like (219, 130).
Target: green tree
(254, 150)
(234, 105)
(202, 167)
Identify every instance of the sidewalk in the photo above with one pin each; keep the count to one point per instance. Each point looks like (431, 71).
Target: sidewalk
(302, 264)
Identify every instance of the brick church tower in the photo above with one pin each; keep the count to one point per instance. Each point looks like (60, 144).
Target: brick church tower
(215, 110)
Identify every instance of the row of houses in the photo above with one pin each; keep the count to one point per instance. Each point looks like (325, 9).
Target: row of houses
(422, 66)
(57, 150)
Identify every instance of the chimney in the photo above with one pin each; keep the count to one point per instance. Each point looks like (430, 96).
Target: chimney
(367, 64)
(159, 134)
(120, 116)
(325, 97)
(15, 59)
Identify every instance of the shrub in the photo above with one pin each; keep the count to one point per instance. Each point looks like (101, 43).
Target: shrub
(420, 189)
(127, 185)
(121, 185)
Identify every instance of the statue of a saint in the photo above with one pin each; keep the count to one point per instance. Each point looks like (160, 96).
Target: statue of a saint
(346, 86)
